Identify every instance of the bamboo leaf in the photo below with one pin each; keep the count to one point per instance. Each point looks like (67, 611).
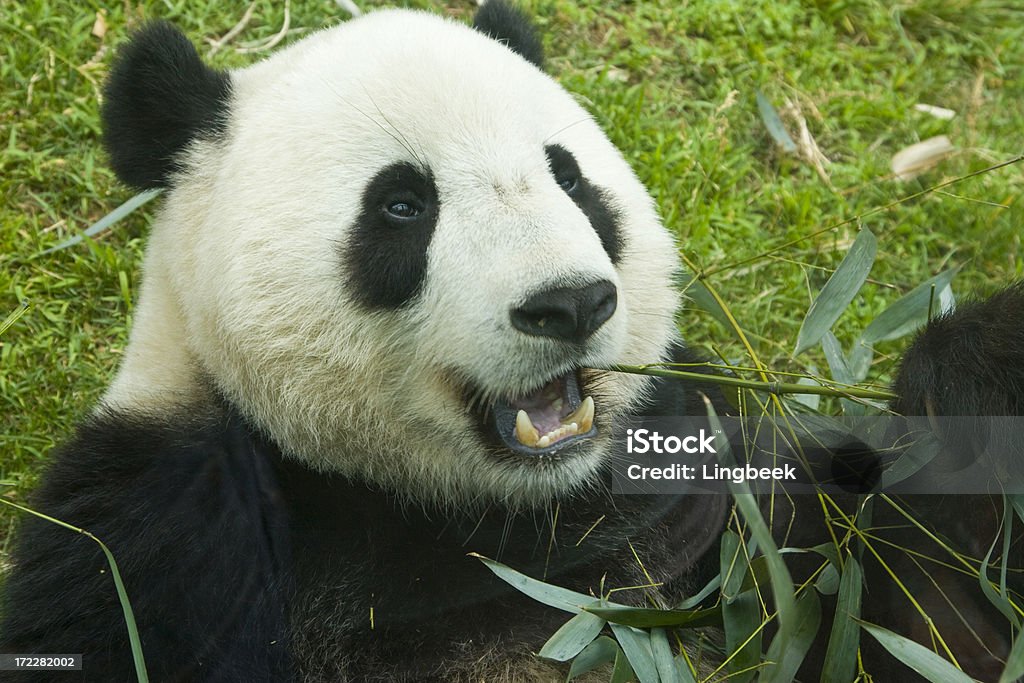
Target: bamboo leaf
(732, 564)
(998, 599)
(916, 656)
(1014, 663)
(686, 671)
(828, 581)
(572, 637)
(782, 583)
(110, 219)
(788, 656)
(702, 594)
(741, 611)
(622, 672)
(910, 311)
(1008, 540)
(838, 292)
(1017, 501)
(840, 370)
(663, 658)
(836, 360)
(812, 401)
(742, 622)
(552, 596)
(757, 574)
(695, 290)
(844, 640)
(770, 117)
(859, 361)
(912, 161)
(919, 454)
(640, 617)
(636, 645)
(600, 652)
(828, 551)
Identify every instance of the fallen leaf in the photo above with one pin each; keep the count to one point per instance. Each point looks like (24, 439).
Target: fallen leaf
(914, 160)
(937, 112)
(99, 27)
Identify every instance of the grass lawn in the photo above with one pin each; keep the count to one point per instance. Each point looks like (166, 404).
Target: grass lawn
(673, 82)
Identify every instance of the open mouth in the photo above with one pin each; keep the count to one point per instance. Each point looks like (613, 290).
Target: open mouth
(546, 420)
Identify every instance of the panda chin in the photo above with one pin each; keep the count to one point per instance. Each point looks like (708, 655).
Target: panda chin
(546, 421)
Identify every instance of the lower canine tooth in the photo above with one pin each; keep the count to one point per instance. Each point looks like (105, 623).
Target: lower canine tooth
(526, 433)
(582, 416)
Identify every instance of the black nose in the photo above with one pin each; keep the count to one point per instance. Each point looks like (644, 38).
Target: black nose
(568, 313)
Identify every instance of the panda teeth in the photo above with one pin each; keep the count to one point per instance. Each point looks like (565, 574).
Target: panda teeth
(557, 434)
(582, 416)
(551, 437)
(577, 422)
(526, 433)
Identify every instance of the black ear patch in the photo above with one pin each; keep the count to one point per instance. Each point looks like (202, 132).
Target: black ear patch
(159, 97)
(507, 24)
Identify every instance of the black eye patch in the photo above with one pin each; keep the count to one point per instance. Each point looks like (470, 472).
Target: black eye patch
(385, 256)
(594, 202)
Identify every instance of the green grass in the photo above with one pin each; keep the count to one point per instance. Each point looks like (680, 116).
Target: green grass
(673, 83)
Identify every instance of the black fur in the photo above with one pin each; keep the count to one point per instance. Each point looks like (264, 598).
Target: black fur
(385, 259)
(967, 362)
(506, 24)
(593, 201)
(159, 98)
(205, 517)
(192, 512)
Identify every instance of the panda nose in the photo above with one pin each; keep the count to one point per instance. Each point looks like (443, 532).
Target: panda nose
(571, 314)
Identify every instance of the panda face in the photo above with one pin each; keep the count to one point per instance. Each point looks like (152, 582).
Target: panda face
(403, 259)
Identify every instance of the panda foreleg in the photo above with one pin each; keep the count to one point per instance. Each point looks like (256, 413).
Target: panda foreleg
(189, 509)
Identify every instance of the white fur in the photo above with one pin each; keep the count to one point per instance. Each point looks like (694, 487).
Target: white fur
(243, 278)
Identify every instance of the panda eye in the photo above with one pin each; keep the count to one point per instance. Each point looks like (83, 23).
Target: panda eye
(564, 168)
(568, 183)
(403, 209)
(400, 198)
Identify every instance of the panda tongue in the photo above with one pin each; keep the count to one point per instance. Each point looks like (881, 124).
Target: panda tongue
(545, 407)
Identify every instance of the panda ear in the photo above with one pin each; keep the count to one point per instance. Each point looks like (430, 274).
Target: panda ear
(508, 25)
(159, 98)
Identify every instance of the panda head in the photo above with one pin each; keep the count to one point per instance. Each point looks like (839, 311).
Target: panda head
(398, 247)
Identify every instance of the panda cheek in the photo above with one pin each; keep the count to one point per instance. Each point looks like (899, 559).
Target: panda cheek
(385, 273)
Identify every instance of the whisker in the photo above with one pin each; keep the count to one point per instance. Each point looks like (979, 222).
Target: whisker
(566, 127)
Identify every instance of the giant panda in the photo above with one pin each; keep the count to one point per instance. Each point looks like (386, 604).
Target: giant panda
(388, 261)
